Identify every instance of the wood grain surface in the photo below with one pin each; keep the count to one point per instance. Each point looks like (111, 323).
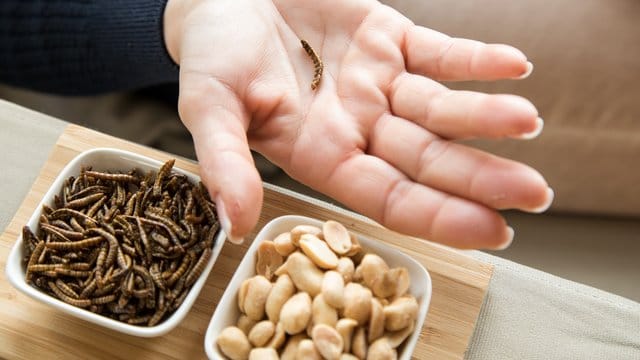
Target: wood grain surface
(30, 330)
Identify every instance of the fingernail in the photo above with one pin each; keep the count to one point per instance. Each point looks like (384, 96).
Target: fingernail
(510, 235)
(527, 72)
(225, 222)
(546, 205)
(533, 134)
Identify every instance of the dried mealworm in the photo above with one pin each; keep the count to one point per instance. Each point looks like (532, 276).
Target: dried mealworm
(89, 289)
(73, 273)
(199, 196)
(84, 202)
(170, 224)
(317, 64)
(111, 177)
(103, 299)
(186, 261)
(33, 260)
(76, 245)
(197, 269)
(38, 268)
(62, 296)
(66, 289)
(113, 245)
(96, 206)
(165, 169)
(67, 213)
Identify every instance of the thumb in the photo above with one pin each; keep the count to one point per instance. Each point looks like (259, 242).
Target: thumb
(218, 124)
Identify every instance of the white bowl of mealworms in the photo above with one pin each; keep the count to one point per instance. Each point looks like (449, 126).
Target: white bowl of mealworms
(314, 289)
(119, 240)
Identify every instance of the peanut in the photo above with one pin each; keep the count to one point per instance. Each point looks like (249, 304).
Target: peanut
(268, 259)
(282, 290)
(318, 251)
(401, 313)
(333, 289)
(328, 341)
(356, 249)
(278, 338)
(255, 299)
(345, 328)
(291, 348)
(346, 356)
(381, 350)
(357, 303)
(261, 333)
(296, 313)
(346, 268)
(396, 338)
(307, 351)
(359, 344)
(234, 343)
(371, 268)
(263, 354)
(323, 313)
(304, 274)
(376, 322)
(337, 237)
(283, 244)
(245, 323)
(298, 231)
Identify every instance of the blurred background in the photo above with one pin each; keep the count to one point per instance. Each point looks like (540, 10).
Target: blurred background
(586, 85)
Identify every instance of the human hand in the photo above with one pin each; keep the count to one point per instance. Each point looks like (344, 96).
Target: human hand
(377, 135)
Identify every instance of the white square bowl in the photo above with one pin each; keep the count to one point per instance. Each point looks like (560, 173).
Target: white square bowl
(227, 312)
(104, 159)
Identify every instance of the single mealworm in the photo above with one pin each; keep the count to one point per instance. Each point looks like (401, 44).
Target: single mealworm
(84, 201)
(197, 269)
(75, 245)
(186, 261)
(62, 296)
(165, 169)
(111, 177)
(317, 64)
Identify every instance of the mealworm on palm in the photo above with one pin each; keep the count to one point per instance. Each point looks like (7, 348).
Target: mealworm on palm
(317, 64)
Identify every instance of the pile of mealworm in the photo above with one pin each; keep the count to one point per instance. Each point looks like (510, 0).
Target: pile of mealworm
(128, 246)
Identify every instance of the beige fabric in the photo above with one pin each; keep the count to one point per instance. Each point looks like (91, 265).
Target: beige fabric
(586, 85)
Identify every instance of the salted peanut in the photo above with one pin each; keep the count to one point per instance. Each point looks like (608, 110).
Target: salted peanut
(296, 313)
(263, 354)
(359, 344)
(283, 244)
(328, 341)
(291, 348)
(261, 333)
(401, 313)
(307, 351)
(256, 297)
(323, 313)
(372, 268)
(345, 327)
(381, 350)
(346, 268)
(242, 294)
(403, 281)
(387, 284)
(279, 337)
(348, 357)
(303, 272)
(376, 322)
(396, 338)
(299, 230)
(245, 324)
(337, 237)
(282, 290)
(356, 249)
(333, 289)
(357, 303)
(268, 259)
(234, 343)
(318, 251)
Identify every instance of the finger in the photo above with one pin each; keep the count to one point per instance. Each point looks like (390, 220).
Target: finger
(441, 57)
(218, 125)
(462, 114)
(376, 189)
(457, 169)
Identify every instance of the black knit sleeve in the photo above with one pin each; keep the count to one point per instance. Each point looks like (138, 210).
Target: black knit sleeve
(82, 47)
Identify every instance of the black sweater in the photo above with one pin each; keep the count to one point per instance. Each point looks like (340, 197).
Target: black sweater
(81, 47)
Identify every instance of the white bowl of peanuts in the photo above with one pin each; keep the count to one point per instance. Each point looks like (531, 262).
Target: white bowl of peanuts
(308, 289)
(72, 289)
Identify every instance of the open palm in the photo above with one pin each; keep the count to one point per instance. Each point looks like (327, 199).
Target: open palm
(377, 133)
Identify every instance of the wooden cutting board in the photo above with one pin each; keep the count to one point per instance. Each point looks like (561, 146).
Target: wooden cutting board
(30, 330)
